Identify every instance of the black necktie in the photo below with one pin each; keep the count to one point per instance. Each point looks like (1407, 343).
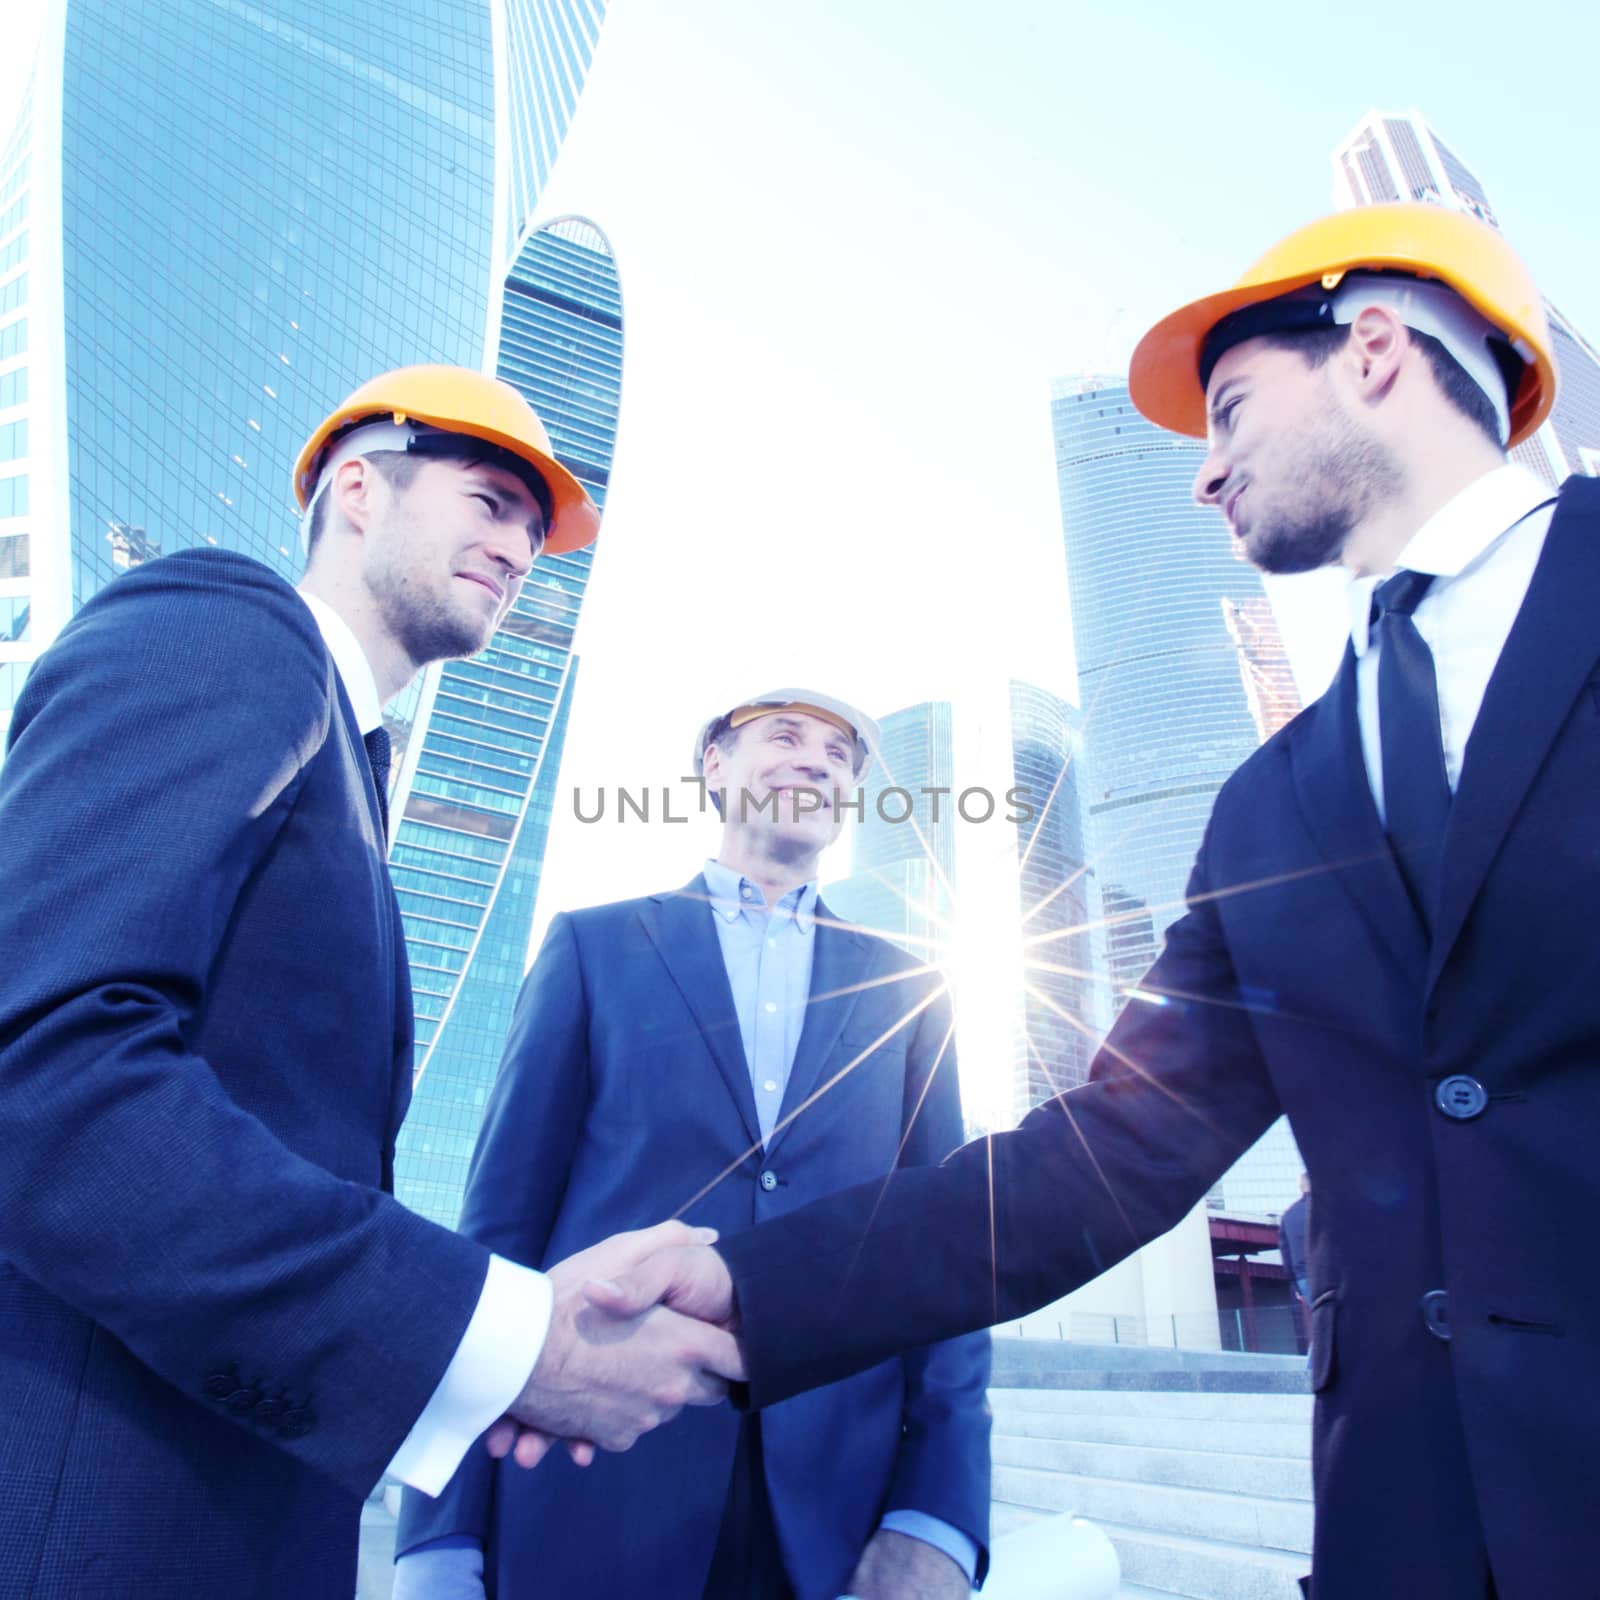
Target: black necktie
(1416, 792)
(377, 743)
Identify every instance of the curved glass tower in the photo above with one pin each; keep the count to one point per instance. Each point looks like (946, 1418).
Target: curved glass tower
(232, 214)
(477, 787)
(1165, 715)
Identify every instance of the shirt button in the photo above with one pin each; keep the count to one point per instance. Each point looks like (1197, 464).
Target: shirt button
(769, 1180)
(771, 1086)
(1460, 1098)
(772, 944)
(770, 1006)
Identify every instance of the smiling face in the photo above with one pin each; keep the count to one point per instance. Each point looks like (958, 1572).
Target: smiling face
(1288, 462)
(779, 774)
(447, 550)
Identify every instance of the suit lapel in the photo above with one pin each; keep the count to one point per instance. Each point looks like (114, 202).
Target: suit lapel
(680, 927)
(1330, 779)
(1549, 654)
(838, 965)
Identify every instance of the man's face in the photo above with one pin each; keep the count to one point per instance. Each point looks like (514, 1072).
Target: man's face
(1289, 465)
(780, 776)
(447, 555)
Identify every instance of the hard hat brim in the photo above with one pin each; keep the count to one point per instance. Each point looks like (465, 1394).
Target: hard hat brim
(575, 518)
(1164, 373)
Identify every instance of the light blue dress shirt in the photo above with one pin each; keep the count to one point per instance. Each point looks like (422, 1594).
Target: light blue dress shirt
(767, 955)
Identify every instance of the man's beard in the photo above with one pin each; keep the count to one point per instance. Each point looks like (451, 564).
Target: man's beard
(422, 623)
(1344, 474)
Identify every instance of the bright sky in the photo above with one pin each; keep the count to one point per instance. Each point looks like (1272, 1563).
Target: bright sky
(857, 241)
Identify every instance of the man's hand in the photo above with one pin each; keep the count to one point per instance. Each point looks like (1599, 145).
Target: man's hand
(605, 1377)
(690, 1277)
(894, 1566)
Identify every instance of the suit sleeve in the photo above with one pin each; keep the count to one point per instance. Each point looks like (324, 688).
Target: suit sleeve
(517, 1182)
(156, 754)
(943, 1465)
(1176, 1093)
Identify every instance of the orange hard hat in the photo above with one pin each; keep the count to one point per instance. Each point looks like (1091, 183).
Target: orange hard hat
(1409, 238)
(458, 400)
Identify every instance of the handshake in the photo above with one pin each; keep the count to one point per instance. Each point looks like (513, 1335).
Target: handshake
(642, 1326)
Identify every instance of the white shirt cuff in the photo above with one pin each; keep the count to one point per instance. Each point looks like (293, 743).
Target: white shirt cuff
(485, 1375)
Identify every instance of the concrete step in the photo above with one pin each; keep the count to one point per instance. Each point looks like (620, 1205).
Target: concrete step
(1004, 1519)
(1203, 1569)
(1256, 1521)
(1281, 1477)
(1291, 1440)
(1157, 1403)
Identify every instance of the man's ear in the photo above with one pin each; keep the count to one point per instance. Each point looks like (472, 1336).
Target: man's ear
(1377, 347)
(711, 763)
(351, 494)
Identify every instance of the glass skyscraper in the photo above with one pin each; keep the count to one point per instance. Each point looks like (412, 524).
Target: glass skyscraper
(1396, 156)
(477, 787)
(218, 218)
(1165, 718)
(903, 847)
(1060, 1018)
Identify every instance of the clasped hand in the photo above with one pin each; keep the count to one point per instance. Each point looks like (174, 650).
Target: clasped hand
(642, 1325)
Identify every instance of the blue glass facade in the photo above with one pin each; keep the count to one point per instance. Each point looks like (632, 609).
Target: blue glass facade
(476, 801)
(903, 847)
(549, 44)
(16, 415)
(263, 205)
(1166, 718)
(1054, 884)
(217, 219)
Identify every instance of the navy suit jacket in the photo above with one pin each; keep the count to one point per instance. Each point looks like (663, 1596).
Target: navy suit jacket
(217, 1327)
(1302, 981)
(623, 1098)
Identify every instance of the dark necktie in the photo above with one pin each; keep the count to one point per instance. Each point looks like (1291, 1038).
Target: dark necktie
(377, 743)
(1416, 792)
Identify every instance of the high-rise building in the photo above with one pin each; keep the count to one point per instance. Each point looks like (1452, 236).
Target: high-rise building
(477, 789)
(902, 864)
(1166, 717)
(1060, 1019)
(1264, 669)
(214, 222)
(1393, 155)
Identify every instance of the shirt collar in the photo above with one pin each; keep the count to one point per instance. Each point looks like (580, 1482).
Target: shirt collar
(733, 893)
(1459, 533)
(350, 661)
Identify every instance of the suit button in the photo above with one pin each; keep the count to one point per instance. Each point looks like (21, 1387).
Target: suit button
(1460, 1098)
(1436, 1313)
(769, 1180)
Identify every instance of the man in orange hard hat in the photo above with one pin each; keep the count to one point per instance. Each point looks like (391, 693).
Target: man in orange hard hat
(220, 1329)
(1389, 937)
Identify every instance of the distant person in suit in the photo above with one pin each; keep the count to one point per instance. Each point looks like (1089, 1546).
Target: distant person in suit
(1390, 937)
(1292, 1227)
(726, 1051)
(217, 1328)
(1292, 1240)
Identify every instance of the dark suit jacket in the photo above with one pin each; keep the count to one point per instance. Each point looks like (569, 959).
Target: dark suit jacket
(217, 1328)
(624, 1098)
(1301, 980)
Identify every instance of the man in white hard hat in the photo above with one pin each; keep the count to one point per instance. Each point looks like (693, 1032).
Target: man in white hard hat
(723, 1053)
(219, 1327)
(1390, 937)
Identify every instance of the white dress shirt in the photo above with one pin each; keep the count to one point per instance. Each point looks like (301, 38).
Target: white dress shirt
(1482, 547)
(512, 1316)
